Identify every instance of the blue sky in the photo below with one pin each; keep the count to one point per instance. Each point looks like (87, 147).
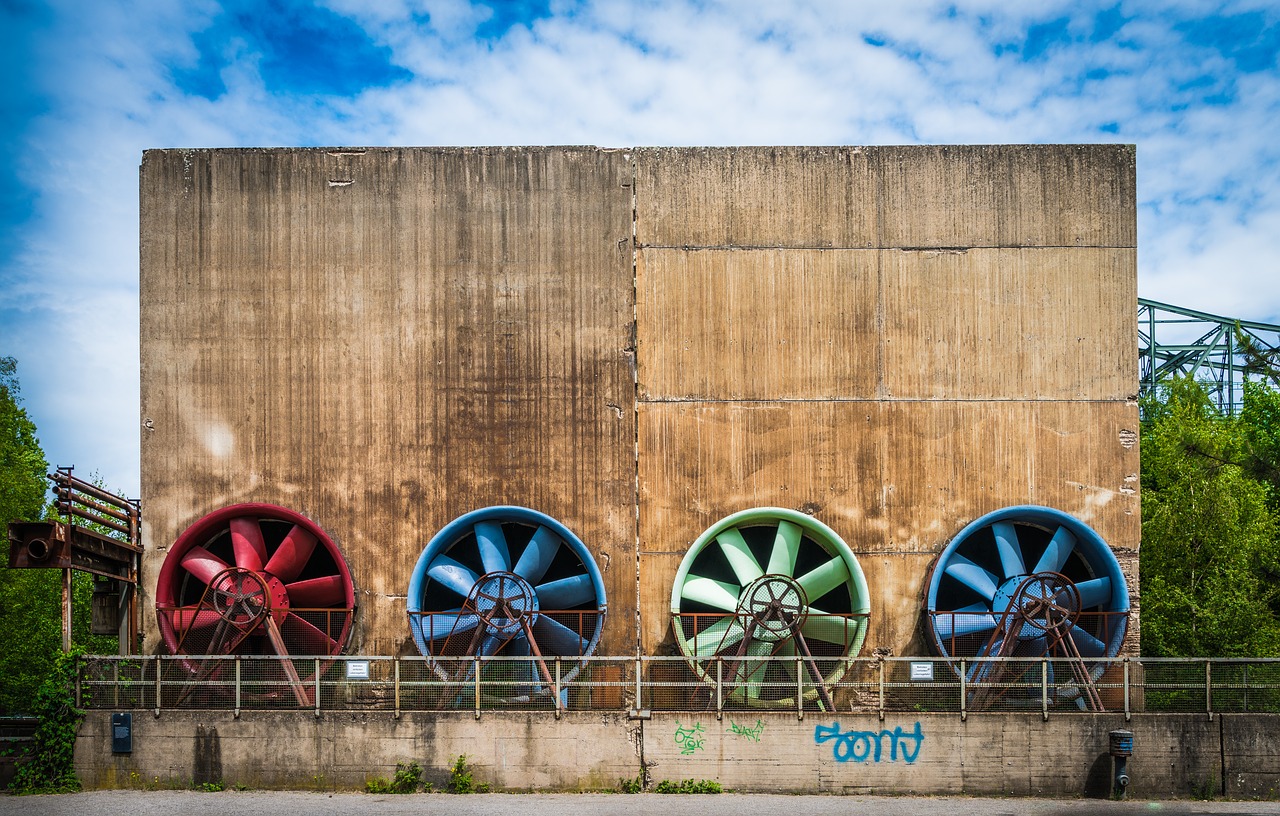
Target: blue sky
(1195, 85)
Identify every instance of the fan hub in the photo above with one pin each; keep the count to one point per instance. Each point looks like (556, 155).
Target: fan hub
(1044, 602)
(505, 602)
(244, 598)
(776, 603)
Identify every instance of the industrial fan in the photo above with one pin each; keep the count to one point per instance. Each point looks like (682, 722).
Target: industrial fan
(255, 579)
(507, 581)
(1028, 581)
(764, 584)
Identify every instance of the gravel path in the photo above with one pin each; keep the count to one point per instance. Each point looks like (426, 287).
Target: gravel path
(275, 803)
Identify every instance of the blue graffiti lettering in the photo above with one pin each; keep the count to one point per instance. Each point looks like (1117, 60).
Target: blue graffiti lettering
(860, 746)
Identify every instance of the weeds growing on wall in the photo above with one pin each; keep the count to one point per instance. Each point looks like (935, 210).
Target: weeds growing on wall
(407, 779)
(688, 786)
(635, 785)
(51, 768)
(461, 780)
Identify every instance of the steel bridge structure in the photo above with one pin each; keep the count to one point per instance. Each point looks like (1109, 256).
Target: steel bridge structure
(1221, 353)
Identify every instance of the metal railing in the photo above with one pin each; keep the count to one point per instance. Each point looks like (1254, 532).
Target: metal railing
(639, 685)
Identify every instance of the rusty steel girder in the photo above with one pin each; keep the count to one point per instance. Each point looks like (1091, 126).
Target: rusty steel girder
(59, 545)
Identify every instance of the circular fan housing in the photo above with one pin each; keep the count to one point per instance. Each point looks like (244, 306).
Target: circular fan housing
(511, 581)
(1027, 581)
(254, 579)
(769, 582)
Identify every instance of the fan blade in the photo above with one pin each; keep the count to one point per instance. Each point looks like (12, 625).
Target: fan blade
(554, 638)
(972, 576)
(786, 546)
(565, 593)
(1088, 645)
(303, 638)
(291, 556)
(720, 635)
(453, 575)
(958, 624)
(715, 594)
(492, 544)
(189, 618)
(441, 625)
(537, 556)
(318, 593)
(203, 564)
(821, 580)
(490, 646)
(1055, 555)
(1094, 593)
(756, 669)
(1009, 548)
(831, 628)
(247, 543)
(735, 549)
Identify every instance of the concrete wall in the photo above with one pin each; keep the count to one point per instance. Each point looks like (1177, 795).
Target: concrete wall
(989, 754)
(896, 340)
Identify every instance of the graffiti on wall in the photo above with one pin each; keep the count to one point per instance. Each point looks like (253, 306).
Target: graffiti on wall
(751, 732)
(864, 746)
(689, 739)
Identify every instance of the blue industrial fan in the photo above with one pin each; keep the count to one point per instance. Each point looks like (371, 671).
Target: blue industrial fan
(507, 581)
(1028, 581)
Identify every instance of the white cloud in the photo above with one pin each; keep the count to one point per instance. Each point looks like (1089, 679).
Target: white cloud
(616, 73)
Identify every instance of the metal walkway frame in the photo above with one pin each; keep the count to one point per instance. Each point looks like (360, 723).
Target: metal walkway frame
(1224, 353)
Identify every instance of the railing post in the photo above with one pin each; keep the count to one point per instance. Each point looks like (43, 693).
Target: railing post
(1208, 688)
(719, 688)
(964, 692)
(639, 699)
(557, 688)
(237, 712)
(477, 684)
(1127, 710)
(158, 689)
(78, 665)
(799, 688)
(1044, 689)
(317, 668)
(116, 674)
(395, 673)
(880, 661)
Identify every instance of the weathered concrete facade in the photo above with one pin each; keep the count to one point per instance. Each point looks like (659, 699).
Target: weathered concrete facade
(985, 755)
(638, 343)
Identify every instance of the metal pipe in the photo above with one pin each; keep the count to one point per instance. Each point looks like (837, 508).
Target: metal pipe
(395, 669)
(237, 711)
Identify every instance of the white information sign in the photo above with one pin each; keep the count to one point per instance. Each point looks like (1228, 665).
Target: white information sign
(357, 669)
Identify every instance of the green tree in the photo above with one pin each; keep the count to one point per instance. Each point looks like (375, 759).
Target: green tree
(29, 611)
(31, 600)
(1210, 527)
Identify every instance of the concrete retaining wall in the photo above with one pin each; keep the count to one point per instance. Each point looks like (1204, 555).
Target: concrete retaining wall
(988, 754)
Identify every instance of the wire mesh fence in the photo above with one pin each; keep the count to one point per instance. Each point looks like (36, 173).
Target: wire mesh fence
(673, 683)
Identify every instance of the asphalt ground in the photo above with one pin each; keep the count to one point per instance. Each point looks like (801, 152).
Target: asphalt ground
(280, 803)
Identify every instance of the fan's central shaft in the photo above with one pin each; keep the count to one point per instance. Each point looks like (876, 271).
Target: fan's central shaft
(503, 600)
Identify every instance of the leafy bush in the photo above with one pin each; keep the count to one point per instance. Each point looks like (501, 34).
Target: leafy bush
(407, 779)
(688, 786)
(51, 768)
(461, 780)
